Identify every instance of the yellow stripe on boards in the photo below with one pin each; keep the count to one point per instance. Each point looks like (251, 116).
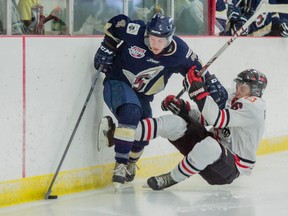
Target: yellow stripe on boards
(272, 145)
(91, 178)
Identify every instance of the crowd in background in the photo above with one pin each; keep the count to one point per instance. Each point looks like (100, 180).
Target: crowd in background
(90, 16)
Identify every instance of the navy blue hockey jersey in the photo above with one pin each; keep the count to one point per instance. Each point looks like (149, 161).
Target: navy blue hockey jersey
(136, 64)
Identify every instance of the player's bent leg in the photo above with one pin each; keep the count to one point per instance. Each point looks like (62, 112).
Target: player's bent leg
(171, 127)
(223, 171)
(194, 134)
(128, 118)
(204, 153)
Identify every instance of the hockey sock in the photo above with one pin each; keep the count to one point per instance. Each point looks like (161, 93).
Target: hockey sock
(128, 118)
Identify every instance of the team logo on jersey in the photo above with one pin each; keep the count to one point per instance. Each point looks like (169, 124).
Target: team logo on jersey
(133, 28)
(137, 52)
(237, 105)
(141, 80)
(260, 21)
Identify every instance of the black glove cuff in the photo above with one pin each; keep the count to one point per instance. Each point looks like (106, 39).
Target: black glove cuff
(110, 43)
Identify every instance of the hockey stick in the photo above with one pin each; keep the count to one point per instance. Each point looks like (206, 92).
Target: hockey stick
(48, 193)
(277, 8)
(260, 9)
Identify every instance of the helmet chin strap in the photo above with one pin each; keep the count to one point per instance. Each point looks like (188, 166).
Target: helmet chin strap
(146, 40)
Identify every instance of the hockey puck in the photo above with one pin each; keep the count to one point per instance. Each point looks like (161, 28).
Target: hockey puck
(53, 197)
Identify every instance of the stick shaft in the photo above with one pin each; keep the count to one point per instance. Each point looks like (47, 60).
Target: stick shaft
(72, 135)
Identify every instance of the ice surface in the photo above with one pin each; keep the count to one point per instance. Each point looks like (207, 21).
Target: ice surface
(264, 193)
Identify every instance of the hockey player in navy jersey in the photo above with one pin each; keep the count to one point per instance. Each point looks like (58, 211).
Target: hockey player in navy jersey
(267, 24)
(224, 152)
(137, 60)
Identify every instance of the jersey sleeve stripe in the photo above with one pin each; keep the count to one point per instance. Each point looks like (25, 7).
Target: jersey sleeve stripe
(148, 129)
(155, 128)
(142, 131)
(228, 117)
(217, 119)
(222, 119)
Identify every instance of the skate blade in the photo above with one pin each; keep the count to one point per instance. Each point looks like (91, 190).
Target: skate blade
(102, 134)
(117, 186)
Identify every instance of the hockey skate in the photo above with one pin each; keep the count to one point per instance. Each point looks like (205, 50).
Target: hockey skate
(105, 132)
(131, 171)
(119, 176)
(160, 182)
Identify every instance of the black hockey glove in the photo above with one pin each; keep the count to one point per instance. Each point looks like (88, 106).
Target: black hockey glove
(233, 12)
(105, 56)
(235, 25)
(216, 90)
(235, 20)
(280, 28)
(176, 106)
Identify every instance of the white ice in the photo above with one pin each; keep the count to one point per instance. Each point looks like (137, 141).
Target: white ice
(265, 193)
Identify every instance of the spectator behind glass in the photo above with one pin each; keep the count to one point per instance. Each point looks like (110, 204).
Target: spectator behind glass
(16, 24)
(189, 17)
(221, 17)
(144, 10)
(31, 14)
(267, 24)
(188, 13)
(90, 16)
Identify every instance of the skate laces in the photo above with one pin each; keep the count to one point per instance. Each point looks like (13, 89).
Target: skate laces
(164, 179)
(121, 170)
(131, 167)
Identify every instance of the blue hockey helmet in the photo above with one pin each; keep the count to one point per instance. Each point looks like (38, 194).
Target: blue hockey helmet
(256, 80)
(161, 26)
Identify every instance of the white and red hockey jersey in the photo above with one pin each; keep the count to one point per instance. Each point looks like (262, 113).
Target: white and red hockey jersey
(245, 118)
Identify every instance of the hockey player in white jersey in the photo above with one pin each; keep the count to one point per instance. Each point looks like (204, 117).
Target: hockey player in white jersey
(223, 153)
